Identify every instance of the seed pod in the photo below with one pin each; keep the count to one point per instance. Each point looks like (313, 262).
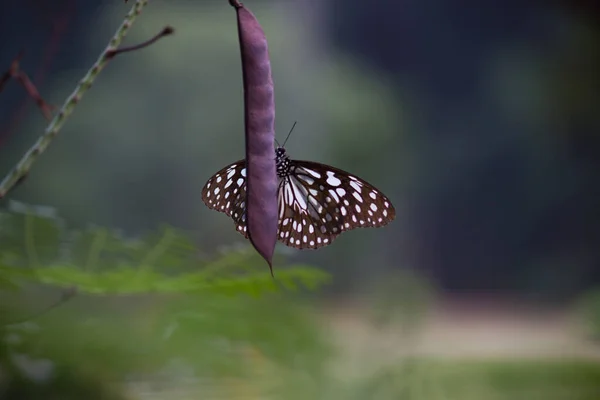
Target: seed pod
(259, 121)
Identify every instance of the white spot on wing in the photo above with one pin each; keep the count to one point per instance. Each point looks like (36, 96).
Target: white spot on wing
(306, 179)
(334, 195)
(356, 186)
(332, 179)
(299, 194)
(311, 172)
(357, 196)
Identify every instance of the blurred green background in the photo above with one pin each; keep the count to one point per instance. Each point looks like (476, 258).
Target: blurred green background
(478, 120)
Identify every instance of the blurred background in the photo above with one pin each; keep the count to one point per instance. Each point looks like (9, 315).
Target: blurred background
(480, 120)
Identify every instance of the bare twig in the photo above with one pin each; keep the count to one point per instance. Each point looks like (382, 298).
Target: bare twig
(8, 74)
(20, 76)
(24, 165)
(166, 31)
(60, 23)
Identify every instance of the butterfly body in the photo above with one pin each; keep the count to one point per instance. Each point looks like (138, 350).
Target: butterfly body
(316, 202)
(282, 162)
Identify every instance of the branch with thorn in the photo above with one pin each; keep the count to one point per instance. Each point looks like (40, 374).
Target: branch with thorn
(21, 169)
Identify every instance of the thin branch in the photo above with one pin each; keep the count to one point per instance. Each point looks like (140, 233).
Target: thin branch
(24, 80)
(24, 165)
(60, 22)
(9, 73)
(20, 76)
(166, 31)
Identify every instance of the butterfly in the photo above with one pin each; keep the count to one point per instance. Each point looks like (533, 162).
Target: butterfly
(316, 202)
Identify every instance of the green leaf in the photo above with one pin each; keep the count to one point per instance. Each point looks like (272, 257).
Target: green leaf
(35, 229)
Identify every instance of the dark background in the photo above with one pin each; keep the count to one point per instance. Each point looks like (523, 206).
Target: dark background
(479, 119)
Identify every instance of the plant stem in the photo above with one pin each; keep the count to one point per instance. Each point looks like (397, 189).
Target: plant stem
(24, 165)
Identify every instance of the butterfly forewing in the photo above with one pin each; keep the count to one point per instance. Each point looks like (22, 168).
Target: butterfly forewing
(225, 192)
(317, 202)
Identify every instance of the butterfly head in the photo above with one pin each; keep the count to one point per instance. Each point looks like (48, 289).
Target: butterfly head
(282, 161)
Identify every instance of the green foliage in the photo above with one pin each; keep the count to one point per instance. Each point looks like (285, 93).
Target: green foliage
(100, 261)
(117, 336)
(42, 244)
(68, 384)
(143, 303)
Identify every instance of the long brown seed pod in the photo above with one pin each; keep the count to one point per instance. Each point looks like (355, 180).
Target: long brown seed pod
(259, 110)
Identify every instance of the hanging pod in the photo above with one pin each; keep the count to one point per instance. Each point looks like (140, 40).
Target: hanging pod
(259, 121)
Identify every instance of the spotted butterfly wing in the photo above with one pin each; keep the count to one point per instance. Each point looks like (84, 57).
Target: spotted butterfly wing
(317, 202)
(225, 192)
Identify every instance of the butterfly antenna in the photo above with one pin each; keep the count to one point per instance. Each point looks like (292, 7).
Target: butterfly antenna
(288, 136)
